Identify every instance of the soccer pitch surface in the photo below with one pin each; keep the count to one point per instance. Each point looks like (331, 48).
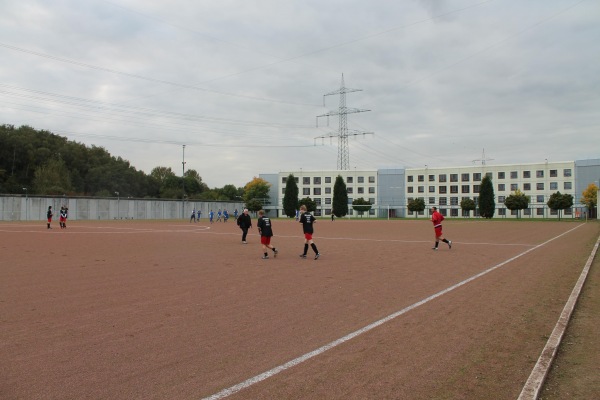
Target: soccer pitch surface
(178, 310)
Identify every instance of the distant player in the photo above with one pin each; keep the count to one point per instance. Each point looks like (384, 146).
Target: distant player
(307, 220)
(49, 215)
(211, 216)
(437, 219)
(62, 219)
(199, 215)
(193, 216)
(266, 232)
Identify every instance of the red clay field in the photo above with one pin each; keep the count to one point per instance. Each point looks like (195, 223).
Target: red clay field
(178, 310)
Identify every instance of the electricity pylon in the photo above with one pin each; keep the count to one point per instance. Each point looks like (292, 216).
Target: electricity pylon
(343, 161)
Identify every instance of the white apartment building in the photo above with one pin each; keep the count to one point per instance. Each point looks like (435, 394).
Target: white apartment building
(389, 190)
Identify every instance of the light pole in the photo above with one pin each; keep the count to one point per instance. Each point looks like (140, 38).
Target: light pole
(26, 205)
(118, 204)
(183, 184)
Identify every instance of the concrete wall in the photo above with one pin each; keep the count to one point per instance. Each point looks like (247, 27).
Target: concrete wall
(27, 208)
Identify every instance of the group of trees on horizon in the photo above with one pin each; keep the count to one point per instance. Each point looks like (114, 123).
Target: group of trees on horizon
(48, 164)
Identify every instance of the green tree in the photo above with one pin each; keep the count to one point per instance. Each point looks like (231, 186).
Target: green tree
(487, 205)
(560, 202)
(517, 201)
(467, 205)
(290, 197)
(361, 206)
(257, 189)
(340, 198)
(52, 178)
(254, 205)
(416, 205)
(230, 192)
(310, 204)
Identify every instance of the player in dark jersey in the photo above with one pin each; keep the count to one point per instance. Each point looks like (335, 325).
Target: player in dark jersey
(266, 232)
(307, 220)
(49, 215)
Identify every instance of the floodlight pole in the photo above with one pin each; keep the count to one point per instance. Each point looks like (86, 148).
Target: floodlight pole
(183, 184)
(26, 205)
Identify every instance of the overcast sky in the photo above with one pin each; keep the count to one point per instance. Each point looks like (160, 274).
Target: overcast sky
(240, 83)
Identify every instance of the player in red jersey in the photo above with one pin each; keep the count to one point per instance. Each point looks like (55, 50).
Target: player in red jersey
(437, 219)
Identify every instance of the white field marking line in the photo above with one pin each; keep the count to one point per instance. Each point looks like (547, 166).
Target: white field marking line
(417, 241)
(296, 361)
(531, 389)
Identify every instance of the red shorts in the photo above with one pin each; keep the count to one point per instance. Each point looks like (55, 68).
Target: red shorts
(438, 231)
(308, 236)
(266, 240)
(49, 219)
(62, 219)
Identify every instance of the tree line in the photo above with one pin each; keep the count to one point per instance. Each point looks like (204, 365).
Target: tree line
(40, 162)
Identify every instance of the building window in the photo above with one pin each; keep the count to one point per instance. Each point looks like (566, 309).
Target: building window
(372, 200)
(454, 189)
(526, 174)
(454, 212)
(284, 180)
(349, 179)
(421, 189)
(371, 179)
(350, 190)
(567, 172)
(431, 189)
(540, 211)
(527, 211)
(421, 178)
(501, 175)
(443, 201)
(502, 211)
(514, 175)
(466, 189)
(371, 189)
(306, 180)
(553, 185)
(432, 200)
(501, 199)
(361, 190)
(282, 190)
(539, 173)
(539, 198)
(327, 179)
(476, 188)
(513, 187)
(539, 186)
(306, 191)
(464, 177)
(409, 178)
(453, 201)
(409, 189)
(317, 180)
(361, 179)
(568, 186)
(327, 200)
(327, 190)
(553, 173)
(442, 178)
(476, 177)
(431, 178)
(296, 179)
(501, 187)
(317, 191)
(527, 186)
(318, 201)
(453, 177)
(442, 190)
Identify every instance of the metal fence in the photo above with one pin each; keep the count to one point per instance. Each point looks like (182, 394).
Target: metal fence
(34, 208)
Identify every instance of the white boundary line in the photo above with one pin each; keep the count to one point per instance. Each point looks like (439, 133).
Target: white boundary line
(538, 375)
(296, 361)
